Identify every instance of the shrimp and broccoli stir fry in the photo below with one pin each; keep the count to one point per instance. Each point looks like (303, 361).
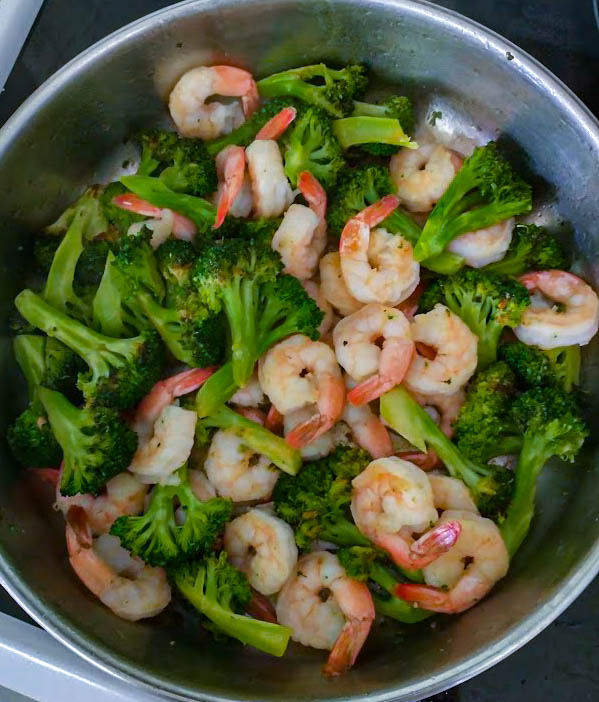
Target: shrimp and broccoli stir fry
(302, 369)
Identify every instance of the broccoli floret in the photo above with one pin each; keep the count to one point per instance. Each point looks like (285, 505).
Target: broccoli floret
(121, 371)
(484, 427)
(311, 146)
(376, 133)
(90, 266)
(175, 259)
(315, 501)
(220, 593)
(89, 203)
(62, 368)
(44, 248)
(244, 135)
(398, 107)
(535, 367)
(282, 308)
(156, 537)
(96, 444)
(30, 437)
(484, 191)
(532, 248)
(552, 426)
(485, 302)
(361, 187)
(365, 563)
(110, 313)
(334, 91)
(260, 230)
(491, 486)
(184, 165)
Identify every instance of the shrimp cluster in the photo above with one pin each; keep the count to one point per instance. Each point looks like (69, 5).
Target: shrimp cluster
(301, 347)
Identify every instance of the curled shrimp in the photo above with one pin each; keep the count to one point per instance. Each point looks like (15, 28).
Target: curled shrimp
(484, 246)
(377, 266)
(302, 235)
(465, 574)
(451, 353)
(271, 192)
(316, 293)
(250, 395)
(326, 609)
(374, 346)
(195, 117)
(234, 193)
(263, 547)
(563, 310)
(422, 175)
(122, 582)
(367, 429)
(164, 223)
(333, 285)
(392, 499)
(236, 471)
(451, 493)
(298, 372)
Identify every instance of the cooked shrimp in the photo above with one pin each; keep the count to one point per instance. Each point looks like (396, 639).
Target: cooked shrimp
(316, 293)
(454, 349)
(484, 246)
(298, 372)
(326, 609)
(422, 175)
(302, 235)
(393, 499)
(263, 547)
(250, 395)
(337, 435)
(333, 285)
(466, 572)
(195, 117)
(164, 223)
(374, 345)
(234, 193)
(563, 311)
(377, 266)
(236, 471)
(410, 305)
(451, 493)
(277, 125)
(161, 395)
(367, 429)
(122, 582)
(125, 495)
(271, 191)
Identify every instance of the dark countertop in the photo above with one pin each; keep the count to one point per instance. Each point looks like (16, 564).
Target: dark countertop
(561, 663)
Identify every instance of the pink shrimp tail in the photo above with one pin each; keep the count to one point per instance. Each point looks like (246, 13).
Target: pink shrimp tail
(276, 126)
(48, 475)
(347, 647)
(425, 596)
(356, 232)
(274, 420)
(183, 227)
(531, 280)
(376, 213)
(410, 306)
(395, 361)
(260, 607)
(307, 432)
(252, 413)
(233, 174)
(437, 541)
(425, 461)
(313, 192)
(236, 82)
(78, 523)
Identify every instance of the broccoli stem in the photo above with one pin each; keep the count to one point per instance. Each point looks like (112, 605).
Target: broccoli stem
(200, 211)
(265, 636)
(257, 438)
(352, 131)
(343, 533)
(240, 303)
(218, 389)
(368, 109)
(30, 354)
(107, 302)
(400, 610)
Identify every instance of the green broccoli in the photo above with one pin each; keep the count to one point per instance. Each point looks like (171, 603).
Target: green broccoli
(484, 427)
(360, 187)
(121, 371)
(365, 563)
(484, 191)
(90, 203)
(535, 367)
(96, 444)
(110, 314)
(220, 592)
(30, 437)
(282, 308)
(184, 165)
(485, 302)
(118, 219)
(62, 369)
(311, 146)
(532, 248)
(371, 132)
(397, 107)
(491, 486)
(156, 537)
(552, 426)
(331, 90)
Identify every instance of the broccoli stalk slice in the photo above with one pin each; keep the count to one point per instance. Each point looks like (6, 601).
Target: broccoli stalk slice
(256, 437)
(491, 486)
(155, 191)
(213, 587)
(483, 192)
(352, 131)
